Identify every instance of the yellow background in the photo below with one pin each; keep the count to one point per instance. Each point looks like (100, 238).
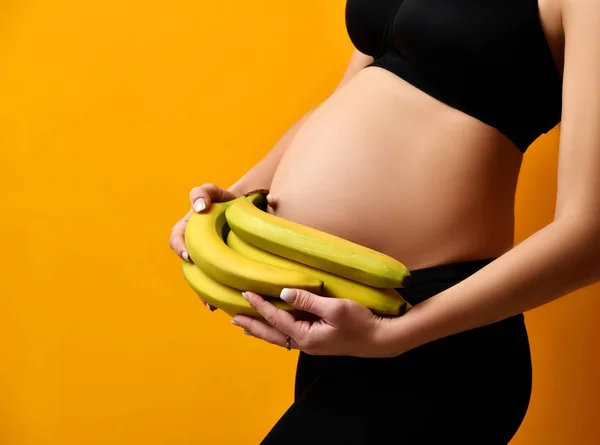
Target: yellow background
(109, 113)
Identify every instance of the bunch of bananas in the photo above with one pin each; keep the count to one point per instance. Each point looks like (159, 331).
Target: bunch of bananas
(237, 245)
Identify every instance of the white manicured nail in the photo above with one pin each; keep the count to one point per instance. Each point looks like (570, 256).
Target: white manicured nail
(246, 332)
(208, 307)
(287, 295)
(235, 323)
(245, 296)
(185, 256)
(199, 205)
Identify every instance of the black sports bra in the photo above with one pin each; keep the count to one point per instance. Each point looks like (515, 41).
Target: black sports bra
(487, 58)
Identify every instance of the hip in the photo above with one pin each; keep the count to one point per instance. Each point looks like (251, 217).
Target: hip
(471, 388)
(475, 359)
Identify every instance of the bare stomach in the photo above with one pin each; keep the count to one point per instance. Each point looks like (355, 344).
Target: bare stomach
(385, 165)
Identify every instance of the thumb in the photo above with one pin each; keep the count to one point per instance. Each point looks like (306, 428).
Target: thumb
(301, 299)
(202, 197)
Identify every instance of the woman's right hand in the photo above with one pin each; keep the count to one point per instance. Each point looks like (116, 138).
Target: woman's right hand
(200, 199)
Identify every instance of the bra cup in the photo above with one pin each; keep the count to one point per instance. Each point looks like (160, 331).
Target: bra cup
(367, 24)
(488, 58)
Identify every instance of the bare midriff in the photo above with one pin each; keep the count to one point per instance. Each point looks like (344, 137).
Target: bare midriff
(385, 165)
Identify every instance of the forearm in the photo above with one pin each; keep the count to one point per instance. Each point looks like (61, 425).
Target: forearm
(261, 175)
(555, 261)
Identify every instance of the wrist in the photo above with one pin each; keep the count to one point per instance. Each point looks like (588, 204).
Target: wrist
(401, 334)
(389, 340)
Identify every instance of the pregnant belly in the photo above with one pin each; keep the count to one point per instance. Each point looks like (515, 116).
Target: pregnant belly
(385, 165)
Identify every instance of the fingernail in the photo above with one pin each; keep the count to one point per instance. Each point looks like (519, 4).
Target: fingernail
(287, 295)
(199, 205)
(185, 256)
(246, 332)
(245, 296)
(235, 323)
(208, 306)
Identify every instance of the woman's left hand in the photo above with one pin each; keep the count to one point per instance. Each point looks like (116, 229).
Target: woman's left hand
(344, 327)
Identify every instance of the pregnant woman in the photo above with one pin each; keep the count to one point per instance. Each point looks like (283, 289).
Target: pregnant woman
(417, 154)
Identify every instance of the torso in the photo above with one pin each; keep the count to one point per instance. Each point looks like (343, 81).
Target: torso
(385, 165)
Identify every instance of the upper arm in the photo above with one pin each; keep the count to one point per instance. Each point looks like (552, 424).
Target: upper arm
(357, 62)
(578, 198)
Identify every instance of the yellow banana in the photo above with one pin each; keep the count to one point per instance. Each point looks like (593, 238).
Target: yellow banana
(313, 247)
(226, 298)
(381, 301)
(205, 244)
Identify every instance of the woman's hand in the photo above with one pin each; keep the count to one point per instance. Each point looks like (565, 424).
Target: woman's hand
(344, 327)
(200, 198)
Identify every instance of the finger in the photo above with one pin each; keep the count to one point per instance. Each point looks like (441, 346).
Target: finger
(261, 330)
(210, 307)
(177, 239)
(325, 307)
(203, 196)
(278, 318)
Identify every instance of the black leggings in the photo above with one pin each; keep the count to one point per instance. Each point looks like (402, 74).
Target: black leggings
(469, 388)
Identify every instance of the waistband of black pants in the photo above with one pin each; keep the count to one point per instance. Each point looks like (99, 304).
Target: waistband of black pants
(428, 281)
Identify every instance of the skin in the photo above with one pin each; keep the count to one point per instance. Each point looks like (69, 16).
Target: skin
(387, 166)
